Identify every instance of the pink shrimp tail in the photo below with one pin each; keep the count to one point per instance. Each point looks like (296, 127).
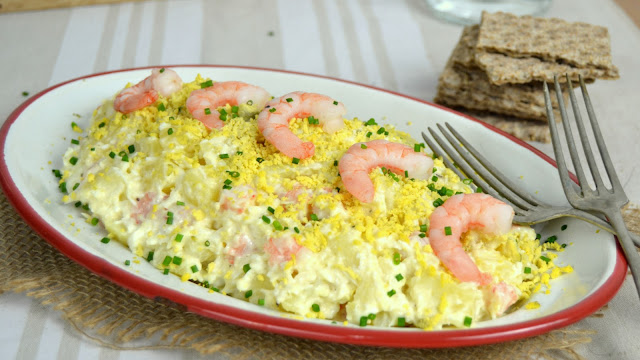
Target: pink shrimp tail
(129, 100)
(456, 216)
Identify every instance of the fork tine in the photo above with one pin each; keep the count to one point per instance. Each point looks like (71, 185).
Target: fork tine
(482, 169)
(555, 139)
(448, 152)
(497, 178)
(584, 139)
(604, 153)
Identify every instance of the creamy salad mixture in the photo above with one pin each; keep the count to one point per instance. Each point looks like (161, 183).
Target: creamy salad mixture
(207, 182)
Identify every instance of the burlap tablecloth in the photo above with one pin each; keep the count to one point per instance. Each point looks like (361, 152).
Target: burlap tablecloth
(118, 318)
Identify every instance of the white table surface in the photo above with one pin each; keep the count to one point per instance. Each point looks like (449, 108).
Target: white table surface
(396, 45)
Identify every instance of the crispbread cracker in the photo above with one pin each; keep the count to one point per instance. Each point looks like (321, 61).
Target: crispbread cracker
(577, 44)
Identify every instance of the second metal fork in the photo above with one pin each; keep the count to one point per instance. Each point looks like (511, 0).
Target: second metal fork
(528, 209)
(607, 201)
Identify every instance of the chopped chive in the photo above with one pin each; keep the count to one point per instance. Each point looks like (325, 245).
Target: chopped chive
(170, 131)
(527, 270)
(112, 155)
(75, 141)
(272, 110)
(538, 236)
(467, 181)
(295, 160)
(177, 260)
(194, 269)
(227, 187)
(335, 102)
(56, 173)
(259, 160)
(437, 202)
(551, 239)
(228, 182)
(125, 158)
(261, 302)
(207, 111)
(85, 207)
(423, 228)
(207, 243)
(77, 204)
(169, 220)
(246, 268)
(25, 93)
(335, 162)
(169, 214)
(161, 70)
(545, 259)
(224, 156)
(271, 210)
(234, 109)
(266, 219)
(447, 230)
(289, 99)
(479, 190)
(422, 235)
(131, 149)
(102, 124)
(94, 221)
(167, 260)
(396, 258)
(248, 294)
(105, 240)
(363, 320)
(165, 271)
(380, 131)
(296, 230)
(150, 256)
(313, 121)
(399, 277)
(250, 102)
(314, 217)
(179, 203)
(467, 321)
(75, 186)
(406, 173)
(277, 225)
(161, 107)
(563, 228)
(391, 292)
(401, 322)
(369, 134)
(564, 246)
(372, 316)
(127, 262)
(434, 178)
(315, 307)
(363, 146)
(179, 237)
(371, 121)
(206, 84)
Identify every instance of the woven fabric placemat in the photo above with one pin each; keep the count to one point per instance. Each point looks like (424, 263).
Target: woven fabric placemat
(120, 319)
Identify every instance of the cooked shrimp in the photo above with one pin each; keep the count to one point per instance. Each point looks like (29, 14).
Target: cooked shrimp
(281, 249)
(457, 215)
(361, 158)
(203, 104)
(273, 121)
(503, 296)
(161, 82)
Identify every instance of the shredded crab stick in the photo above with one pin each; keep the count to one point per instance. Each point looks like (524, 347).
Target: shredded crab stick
(161, 82)
(459, 214)
(203, 104)
(273, 120)
(361, 158)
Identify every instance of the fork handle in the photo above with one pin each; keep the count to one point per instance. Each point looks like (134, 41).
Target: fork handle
(603, 224)
(630, 252)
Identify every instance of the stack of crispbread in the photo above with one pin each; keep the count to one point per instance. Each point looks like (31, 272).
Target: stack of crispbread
(498, 68)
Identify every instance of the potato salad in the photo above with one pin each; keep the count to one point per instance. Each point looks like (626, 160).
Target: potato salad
(282, 201)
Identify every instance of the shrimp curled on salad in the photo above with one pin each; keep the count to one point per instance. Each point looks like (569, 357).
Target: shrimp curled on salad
(361, 158)
(273, 120)
(161, 82)
(459, 214)
(203, 104)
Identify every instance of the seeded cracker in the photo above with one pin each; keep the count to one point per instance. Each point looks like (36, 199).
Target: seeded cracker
(462, 83)
(514, 49)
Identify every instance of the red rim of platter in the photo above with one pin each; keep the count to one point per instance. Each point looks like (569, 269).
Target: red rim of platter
(289, 326)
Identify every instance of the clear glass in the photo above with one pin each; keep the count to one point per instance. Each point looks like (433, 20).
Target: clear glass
(468, 12)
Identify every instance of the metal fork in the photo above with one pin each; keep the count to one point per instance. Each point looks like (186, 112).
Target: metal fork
(606, 201)
(484, 174)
